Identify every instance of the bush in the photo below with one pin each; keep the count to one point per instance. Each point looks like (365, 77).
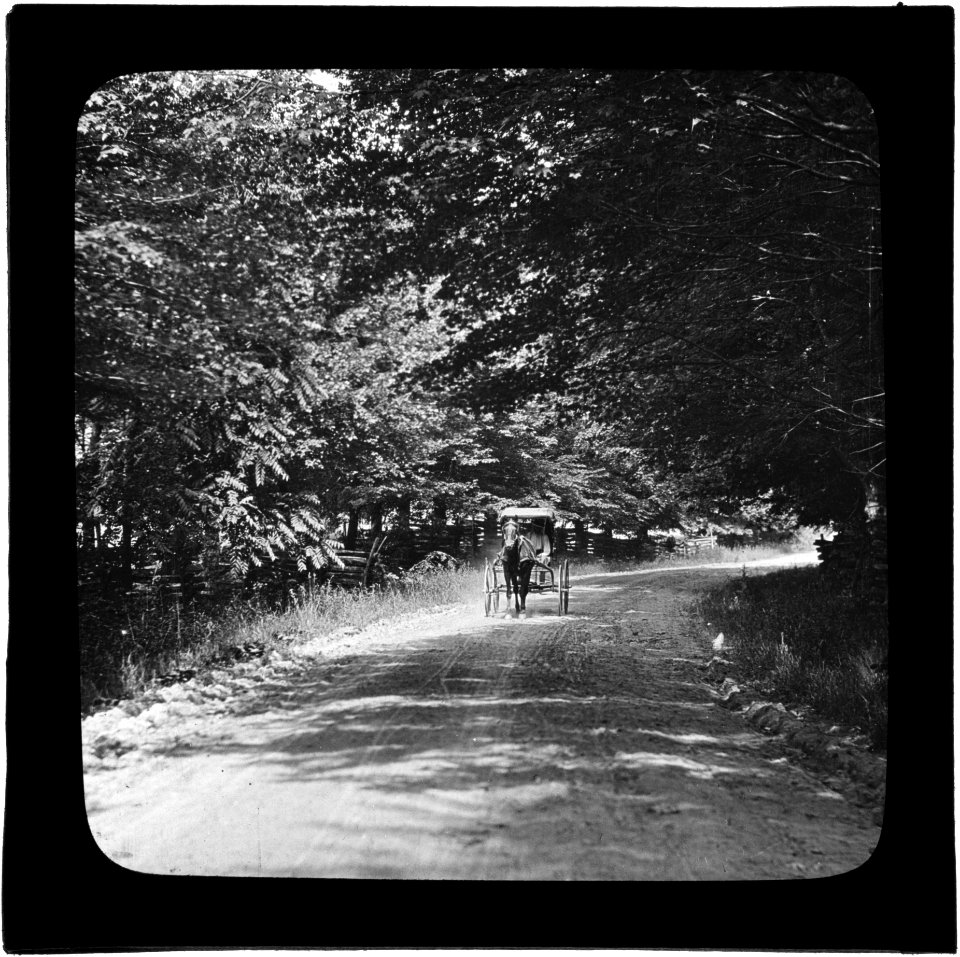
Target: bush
(808, 641)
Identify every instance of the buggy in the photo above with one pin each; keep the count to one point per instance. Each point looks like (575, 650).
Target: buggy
(537, 530)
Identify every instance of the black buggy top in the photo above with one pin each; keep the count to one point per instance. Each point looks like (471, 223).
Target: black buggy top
(542, 519)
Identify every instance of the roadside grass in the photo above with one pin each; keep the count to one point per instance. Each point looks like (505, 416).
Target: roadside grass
(123, 651)
(807, 641)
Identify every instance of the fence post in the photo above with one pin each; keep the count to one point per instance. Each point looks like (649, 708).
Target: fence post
(580, 536)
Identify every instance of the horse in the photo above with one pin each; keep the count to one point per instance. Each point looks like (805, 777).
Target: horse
(517, 557)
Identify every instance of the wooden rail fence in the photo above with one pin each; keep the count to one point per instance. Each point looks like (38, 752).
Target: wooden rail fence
(695, 544)
(471, 541)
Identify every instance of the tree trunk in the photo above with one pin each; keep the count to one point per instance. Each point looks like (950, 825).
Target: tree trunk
(403, 514)
(126, 553)
(90, 526)
(353, 528)
(376, 519)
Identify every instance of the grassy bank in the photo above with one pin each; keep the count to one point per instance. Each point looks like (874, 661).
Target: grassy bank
(123, 648)
(805, 641)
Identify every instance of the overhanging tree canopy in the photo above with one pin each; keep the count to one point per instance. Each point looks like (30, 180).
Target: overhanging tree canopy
(695, 256)
(292, 301)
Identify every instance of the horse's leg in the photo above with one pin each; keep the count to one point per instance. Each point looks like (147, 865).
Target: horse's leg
(515, 572)
(510, 583)
(525, 571)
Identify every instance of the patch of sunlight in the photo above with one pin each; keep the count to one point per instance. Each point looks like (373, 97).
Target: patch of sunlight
(685, 705)
(697, 769)
(525, 795)
(435, 766)
(661, 800)
(363, 727)
(419, 768)
(499, 754)
(481, 719)
(793, 558)
(327, 80)
(398, 703)
(681, 738)
(504, 755)
(352, 704)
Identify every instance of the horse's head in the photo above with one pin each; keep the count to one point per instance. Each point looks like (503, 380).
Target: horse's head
(511, 534)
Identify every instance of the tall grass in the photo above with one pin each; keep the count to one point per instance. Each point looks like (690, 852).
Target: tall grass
(124, 647)
(319, 611)
(808, 641)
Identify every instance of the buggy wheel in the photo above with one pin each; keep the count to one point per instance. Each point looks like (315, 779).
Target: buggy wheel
(489, 591)
(563, 586)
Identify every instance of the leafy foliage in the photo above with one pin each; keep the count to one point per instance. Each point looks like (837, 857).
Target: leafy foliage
(726, 226)
(627, 294)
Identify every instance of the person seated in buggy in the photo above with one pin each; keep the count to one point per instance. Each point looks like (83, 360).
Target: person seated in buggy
(535, 533)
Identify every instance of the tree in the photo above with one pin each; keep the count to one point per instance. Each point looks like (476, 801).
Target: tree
(222, 373)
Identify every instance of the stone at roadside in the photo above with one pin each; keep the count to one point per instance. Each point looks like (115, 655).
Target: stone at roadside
(766, 716)
(731, 695)
(717, 668)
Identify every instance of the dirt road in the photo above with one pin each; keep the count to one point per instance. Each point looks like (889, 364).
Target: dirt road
(459, 747)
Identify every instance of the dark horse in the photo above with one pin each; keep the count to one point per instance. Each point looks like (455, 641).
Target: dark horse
(518, 557)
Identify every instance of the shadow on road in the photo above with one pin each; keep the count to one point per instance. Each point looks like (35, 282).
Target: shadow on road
(512, 703)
